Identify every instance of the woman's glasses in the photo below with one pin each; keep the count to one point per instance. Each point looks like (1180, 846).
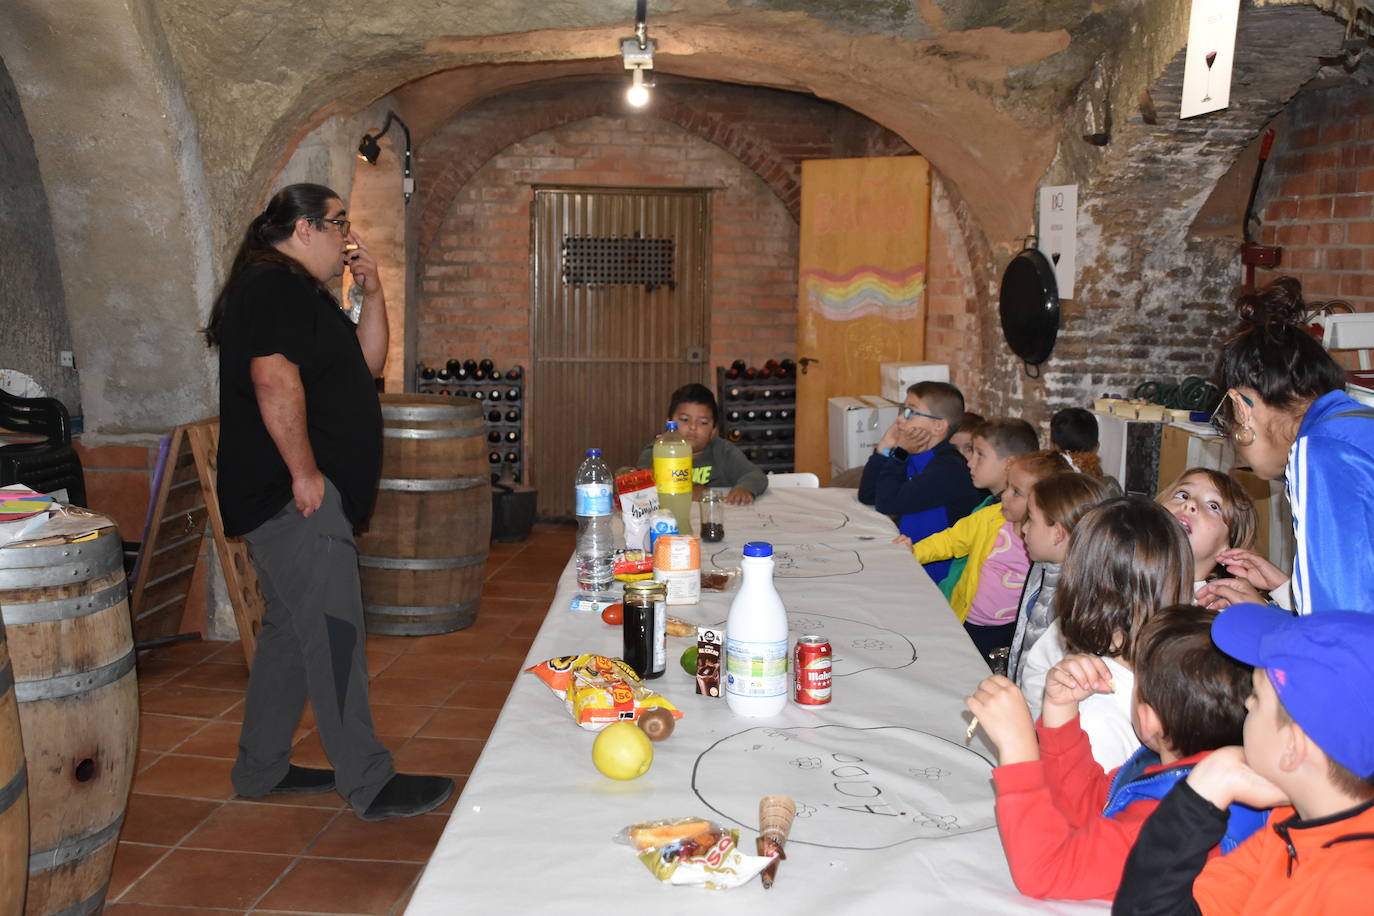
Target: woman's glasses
(1221, 419)
(343, 224)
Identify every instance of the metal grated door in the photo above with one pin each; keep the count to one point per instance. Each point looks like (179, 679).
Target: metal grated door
(619, 321)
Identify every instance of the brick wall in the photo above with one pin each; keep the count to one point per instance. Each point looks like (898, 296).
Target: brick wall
(1318, 194)
(475, 282)
(746, 143)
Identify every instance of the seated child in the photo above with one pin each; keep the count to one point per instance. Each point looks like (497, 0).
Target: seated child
(963, 439)
(715, 462)
(1053, 507)
(1073, 433)
(1127, 558)
(1066, 825)
(1216, 512)
(915, 474)
(1308, 746)
(986, 595)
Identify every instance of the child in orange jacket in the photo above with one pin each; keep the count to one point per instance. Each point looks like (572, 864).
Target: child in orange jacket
(1308, 746)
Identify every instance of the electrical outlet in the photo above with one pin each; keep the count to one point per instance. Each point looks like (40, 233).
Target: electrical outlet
(66, 359)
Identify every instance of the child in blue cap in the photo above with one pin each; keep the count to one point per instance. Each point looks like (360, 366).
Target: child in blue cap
(1309, 749)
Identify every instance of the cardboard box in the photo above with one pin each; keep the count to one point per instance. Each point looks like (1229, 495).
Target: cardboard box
(856, 425)
(898, 377)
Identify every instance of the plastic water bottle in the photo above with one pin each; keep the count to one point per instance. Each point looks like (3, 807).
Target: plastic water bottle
(756, 680)
(673, 475)
(595, 540)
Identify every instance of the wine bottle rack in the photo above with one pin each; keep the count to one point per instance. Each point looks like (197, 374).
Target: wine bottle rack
(500, 392)
(758, 411)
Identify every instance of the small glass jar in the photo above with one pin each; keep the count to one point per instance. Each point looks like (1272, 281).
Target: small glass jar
(645, 627)
(712, 516)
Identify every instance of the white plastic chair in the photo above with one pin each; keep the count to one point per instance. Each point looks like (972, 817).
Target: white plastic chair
(799, 479)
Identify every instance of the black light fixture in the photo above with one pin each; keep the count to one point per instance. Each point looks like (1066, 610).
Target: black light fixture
(369, 151)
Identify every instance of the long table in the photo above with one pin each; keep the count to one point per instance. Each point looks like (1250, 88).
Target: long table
(895, 809)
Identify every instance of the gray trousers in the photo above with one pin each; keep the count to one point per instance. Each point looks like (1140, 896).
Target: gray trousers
(311, 646)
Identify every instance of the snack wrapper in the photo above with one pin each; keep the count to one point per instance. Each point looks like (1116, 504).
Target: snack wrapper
(599, 690)
(638, 499)
(632, 565)
(692, 851)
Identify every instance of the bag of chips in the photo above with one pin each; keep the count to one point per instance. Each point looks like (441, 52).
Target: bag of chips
(599, 690)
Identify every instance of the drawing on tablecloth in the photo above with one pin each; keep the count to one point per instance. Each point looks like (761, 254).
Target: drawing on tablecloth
(800, 561)
(795, 519)
(855, 788)
(855, 646)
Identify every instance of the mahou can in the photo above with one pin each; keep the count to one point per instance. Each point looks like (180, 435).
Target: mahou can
(811, 671)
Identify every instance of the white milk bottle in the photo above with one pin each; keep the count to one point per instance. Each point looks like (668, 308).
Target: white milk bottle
(756, 639)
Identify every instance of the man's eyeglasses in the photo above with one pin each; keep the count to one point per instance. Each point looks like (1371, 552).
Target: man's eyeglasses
(1221, 417)
(343, 224)
(906, 413)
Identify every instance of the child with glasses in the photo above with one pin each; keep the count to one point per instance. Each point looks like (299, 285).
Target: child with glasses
(915, 474)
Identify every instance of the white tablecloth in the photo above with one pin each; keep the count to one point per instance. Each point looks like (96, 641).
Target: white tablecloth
(895, 811)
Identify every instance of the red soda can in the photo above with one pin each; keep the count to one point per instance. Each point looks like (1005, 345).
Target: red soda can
(811, 671)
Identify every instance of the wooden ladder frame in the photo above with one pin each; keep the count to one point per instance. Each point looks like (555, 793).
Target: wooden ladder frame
(172, 547)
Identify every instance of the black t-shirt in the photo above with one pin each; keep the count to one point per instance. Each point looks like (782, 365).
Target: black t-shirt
(272, 309)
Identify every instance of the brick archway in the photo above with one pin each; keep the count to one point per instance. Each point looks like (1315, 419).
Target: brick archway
(455, 154)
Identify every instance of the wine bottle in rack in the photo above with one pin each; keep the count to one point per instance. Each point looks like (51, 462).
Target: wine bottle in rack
(487, 366)
(443, 374)
(513, 374)
(512, 457)
(512, 394)
(427, 372)
(512, 416)
(493, 416)
(494, 436)
(512, 435)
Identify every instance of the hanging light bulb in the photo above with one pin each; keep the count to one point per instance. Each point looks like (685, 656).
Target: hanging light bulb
(638, 94)
(637, 54)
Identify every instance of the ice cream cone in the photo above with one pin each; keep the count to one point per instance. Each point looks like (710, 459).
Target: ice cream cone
(775, 817)
(775, 822)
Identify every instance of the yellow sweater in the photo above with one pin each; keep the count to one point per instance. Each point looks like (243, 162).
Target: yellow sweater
(973, 536)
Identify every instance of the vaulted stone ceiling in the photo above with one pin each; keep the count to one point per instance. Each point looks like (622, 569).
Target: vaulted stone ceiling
(159, 125)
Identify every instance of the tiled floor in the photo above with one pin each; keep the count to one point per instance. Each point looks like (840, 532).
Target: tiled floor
(190, 847)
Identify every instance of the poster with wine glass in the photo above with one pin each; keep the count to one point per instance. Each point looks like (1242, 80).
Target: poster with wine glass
(1058, 234)
(1207, 66)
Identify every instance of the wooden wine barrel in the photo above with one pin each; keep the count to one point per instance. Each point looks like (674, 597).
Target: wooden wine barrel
(423, 555)
(14, 795)
(66, 613)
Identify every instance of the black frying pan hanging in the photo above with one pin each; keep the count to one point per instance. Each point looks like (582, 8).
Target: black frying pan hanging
(1030, 308)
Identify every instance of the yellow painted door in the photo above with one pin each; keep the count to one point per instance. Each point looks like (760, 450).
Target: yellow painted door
(861, 298)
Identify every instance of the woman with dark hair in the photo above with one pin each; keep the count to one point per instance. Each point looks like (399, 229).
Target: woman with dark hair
(1287, 412)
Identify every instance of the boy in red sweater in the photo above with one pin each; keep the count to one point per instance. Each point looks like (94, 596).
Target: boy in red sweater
(1067, 826)
(1309, 746)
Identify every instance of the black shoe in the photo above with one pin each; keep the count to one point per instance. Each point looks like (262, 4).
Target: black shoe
(304, 781)
(407, 795)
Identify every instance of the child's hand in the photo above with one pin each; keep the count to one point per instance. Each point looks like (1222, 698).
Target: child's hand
(739, 497)
(1223, 777)
(902, 539)
(1003, 714)
(1253, 568)
(1069, 683)
(1222, 593)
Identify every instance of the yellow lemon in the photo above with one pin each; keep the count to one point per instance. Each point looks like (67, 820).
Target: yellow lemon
(622, 751)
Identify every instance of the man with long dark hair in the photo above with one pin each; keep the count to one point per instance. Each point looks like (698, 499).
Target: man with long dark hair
(299, 457)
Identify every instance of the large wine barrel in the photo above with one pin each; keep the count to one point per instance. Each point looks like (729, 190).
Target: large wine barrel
(423, 555)
(14, 795)
(66, 613)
